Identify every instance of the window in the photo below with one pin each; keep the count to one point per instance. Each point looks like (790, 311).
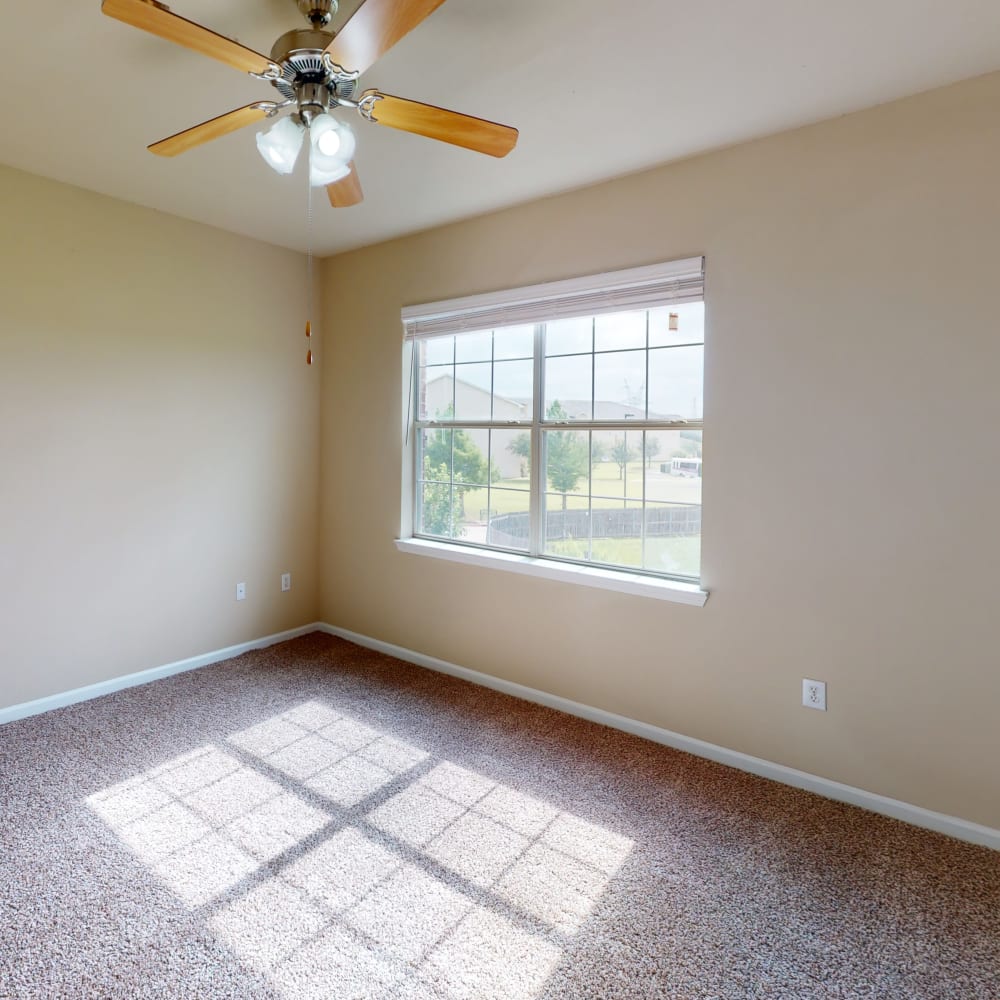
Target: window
(563, 422)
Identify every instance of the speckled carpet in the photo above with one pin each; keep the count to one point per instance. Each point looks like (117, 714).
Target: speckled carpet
(317, 820)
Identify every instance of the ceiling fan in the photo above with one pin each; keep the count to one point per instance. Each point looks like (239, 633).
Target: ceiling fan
(315, 71)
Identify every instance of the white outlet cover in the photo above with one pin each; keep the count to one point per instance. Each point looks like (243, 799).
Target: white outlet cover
(814, 694)
(241, 591)
(286, 581)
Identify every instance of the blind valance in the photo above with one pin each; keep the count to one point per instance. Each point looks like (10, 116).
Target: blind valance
(616, 291)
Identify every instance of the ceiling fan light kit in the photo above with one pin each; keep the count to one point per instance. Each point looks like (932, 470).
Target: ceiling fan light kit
(280, 145)
(331, 150)
(306, 67)
(331, 147)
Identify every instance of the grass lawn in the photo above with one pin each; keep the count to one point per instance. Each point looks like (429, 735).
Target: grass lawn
(611, 490)
(681, 555)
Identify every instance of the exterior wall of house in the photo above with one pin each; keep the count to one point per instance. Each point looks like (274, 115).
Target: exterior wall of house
(443, 391)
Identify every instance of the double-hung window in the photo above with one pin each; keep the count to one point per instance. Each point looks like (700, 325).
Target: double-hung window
(563, 422)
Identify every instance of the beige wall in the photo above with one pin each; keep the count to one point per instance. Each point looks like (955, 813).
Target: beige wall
(852, 329)
(158, 436)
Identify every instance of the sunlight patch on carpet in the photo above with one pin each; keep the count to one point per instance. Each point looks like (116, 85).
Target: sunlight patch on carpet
(204, 821)
(338, 860)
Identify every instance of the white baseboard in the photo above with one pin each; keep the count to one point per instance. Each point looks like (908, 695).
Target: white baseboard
(961, 829)
(22, 711)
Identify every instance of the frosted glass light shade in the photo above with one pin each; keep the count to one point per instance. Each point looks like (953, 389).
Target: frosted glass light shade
(280, 145)
(329, 142)
(331, 149)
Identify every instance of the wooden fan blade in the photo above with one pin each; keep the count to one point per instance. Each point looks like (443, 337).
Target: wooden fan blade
(207, 131)
(347, 191)
(374, 28)
(157, 19)
(448, 126)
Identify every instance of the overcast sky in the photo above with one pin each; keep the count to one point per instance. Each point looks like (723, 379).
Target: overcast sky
(617, 369)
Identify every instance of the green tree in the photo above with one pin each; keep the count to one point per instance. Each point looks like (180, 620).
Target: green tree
(452, 458)
(567, 455)
(521, 446)
(689, 445)
(691, 440)
(621, 454)
(457, 452)
(440, 510)
(651, 447)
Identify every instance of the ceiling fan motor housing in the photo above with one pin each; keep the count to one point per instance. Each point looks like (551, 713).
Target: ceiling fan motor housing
(305, 78)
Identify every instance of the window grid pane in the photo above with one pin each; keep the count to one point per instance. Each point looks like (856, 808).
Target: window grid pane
(482, 375)
(621, 497)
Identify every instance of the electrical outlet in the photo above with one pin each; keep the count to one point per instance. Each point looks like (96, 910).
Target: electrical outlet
(814, 694)
(286, 581)
(241, 592)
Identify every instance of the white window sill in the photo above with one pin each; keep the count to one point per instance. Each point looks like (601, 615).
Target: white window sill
(587, 576)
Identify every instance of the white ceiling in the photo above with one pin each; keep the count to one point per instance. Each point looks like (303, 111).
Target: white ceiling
(597, 89)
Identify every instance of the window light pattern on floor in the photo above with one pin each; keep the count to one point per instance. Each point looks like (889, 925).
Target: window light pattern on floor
(340, 861)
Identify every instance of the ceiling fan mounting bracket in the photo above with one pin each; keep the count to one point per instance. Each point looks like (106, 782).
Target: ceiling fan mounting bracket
(319, 13)
(366, 106)
(272, 74)
(338, 73)
(270, 108)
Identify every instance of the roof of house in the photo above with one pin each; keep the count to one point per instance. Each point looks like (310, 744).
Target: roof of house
(576, 409)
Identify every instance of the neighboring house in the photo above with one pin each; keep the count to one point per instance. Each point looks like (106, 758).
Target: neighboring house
(473, 403)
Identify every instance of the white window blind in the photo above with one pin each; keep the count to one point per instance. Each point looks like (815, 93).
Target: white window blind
(617, 291)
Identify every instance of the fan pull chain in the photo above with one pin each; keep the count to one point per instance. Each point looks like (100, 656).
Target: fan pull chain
(309, 267)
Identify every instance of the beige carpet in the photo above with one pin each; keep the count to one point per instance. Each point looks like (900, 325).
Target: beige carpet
(316, 820)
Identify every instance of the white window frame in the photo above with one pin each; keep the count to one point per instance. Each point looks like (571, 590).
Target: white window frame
(618, 291)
